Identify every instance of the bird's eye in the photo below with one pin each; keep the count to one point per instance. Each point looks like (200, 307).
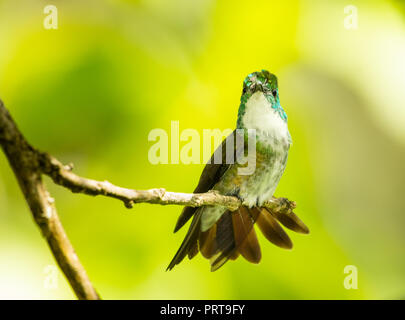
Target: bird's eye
(274, 92)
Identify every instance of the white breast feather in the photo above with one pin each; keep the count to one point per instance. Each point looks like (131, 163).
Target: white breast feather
(259, 115)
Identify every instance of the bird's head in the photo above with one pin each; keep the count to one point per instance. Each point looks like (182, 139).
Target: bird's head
(264, 84)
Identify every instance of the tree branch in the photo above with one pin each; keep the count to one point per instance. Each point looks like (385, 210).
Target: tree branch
(24, 161)
(64, 176)
(29, 164)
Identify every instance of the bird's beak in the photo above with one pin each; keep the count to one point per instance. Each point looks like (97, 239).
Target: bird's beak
(258, 87)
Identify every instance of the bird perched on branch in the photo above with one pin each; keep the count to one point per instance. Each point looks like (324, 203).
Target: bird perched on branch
(215, 231)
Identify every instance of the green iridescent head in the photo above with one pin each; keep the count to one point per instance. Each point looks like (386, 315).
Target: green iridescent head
(263, 81)
(266, 83)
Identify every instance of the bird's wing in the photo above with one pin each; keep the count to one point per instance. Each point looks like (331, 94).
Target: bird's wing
(209, 177)
(211, 174)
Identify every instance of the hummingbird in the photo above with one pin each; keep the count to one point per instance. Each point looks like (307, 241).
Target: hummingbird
(215, 231)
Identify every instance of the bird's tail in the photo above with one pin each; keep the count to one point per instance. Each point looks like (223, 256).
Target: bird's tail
(234, 234)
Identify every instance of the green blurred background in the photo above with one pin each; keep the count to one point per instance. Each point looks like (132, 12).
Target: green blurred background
(91, 91)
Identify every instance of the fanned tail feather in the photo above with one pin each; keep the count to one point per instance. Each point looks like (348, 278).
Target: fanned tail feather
(271, 229)
(245, 235)
(290, 221)
(224, 241)
(234, 234)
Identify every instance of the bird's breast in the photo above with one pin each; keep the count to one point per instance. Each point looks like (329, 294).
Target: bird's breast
(270, 164)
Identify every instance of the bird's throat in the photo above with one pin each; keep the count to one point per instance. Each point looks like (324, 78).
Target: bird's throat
(261, 117)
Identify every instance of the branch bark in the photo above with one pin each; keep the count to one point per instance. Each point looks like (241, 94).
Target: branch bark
(24, 161)
(63, 175)
(29, 164)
